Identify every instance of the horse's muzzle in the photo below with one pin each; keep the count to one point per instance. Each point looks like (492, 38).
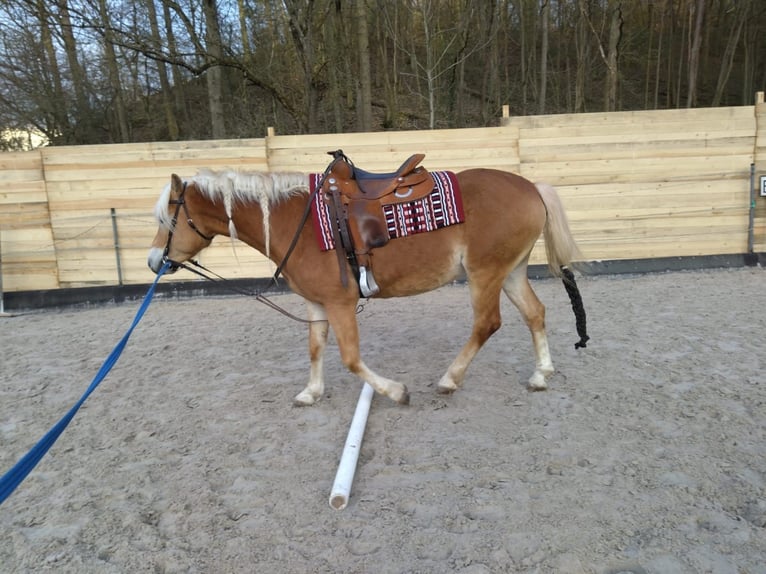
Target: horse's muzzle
(157, 259)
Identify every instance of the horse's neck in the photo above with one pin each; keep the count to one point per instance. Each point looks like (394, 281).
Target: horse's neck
(283, 221)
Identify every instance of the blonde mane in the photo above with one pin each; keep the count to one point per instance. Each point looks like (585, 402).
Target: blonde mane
(230, 186)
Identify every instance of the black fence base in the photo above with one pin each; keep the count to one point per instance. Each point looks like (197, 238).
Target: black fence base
(16, 301)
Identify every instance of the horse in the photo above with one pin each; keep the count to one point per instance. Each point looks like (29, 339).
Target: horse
(505, 214)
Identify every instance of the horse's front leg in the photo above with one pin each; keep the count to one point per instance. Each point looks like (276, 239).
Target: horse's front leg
(342, 317)
(318, 329)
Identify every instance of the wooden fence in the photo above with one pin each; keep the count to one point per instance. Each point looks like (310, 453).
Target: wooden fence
(637, 185)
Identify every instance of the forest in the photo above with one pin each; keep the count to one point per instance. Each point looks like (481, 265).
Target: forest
(109, 71)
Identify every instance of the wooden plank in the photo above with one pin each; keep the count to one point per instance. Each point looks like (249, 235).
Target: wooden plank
(703, 129)
(23, 215)
(693, 197)
(29, 280)
(126, 173)
(633, 118)
(95, 155)
(25, 161)
(681, 149)
(642, 169)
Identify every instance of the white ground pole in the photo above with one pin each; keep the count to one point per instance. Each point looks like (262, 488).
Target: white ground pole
(347, 467)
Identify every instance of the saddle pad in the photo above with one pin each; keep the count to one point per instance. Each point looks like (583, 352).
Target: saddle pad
(442, 208)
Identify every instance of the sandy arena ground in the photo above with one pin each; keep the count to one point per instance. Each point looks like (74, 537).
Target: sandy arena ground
(647, 454)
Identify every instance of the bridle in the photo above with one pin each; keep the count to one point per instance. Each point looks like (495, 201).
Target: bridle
(205, 273)
(179, 203)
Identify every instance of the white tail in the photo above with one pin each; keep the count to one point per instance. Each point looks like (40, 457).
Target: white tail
(560, 246)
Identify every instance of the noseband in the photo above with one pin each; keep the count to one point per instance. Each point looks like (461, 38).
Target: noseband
(179, 203)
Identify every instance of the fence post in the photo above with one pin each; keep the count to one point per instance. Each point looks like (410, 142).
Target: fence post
(116, 245)
(506, 117)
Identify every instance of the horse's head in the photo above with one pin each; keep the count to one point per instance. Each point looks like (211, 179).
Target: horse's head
(182, 214)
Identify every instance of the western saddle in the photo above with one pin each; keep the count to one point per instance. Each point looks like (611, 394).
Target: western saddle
(355, 198)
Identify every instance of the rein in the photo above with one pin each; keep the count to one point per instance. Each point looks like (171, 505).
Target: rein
(206, 273)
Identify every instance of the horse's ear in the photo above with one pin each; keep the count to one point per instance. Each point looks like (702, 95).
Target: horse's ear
(175, 183)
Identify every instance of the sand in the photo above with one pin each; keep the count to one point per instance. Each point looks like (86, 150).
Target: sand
(647, 454)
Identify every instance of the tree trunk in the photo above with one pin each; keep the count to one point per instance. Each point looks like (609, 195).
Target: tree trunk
(364, 112)
(583, 54)
(685, 39)
(333, 33)
(247, 50)
(391, 71)
(178, 92)
(214, 75)
(60, 128)
(743, 8)
(167, 102)
(694, 54)
(491, 80)
(82, 108)
(612, 71)
(114, 73)
(527, 51)
(545, 17)
(300, 16)
(649, 58)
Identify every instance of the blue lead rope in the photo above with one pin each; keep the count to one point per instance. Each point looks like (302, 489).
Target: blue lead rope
(19, 472)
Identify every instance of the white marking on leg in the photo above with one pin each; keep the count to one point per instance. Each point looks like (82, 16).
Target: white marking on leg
(520, 292)
(392, 389)
(318, 331)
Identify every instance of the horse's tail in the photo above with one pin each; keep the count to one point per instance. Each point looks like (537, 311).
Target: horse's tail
(560, 246)
(562, 251)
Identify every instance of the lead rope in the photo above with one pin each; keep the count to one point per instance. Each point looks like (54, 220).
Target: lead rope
(15, 476)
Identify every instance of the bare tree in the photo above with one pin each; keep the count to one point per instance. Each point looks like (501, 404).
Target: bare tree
(162, 73)
(76, 71)
(92, 71)
(57, 105)
(364, 110)
(215, 87)
(433, 60)
(694, 53)
(544, 23)
(612, 55)
(113, 69)
(582, 43)
(737, 23)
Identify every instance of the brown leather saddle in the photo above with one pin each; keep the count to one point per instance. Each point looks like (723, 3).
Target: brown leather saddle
(356, 198)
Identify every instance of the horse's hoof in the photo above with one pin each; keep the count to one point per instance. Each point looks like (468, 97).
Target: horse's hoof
(404, 398)
(304, 399)
(446, 385)
(537, 382)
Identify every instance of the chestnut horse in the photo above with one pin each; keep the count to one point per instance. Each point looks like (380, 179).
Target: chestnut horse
(505, 214)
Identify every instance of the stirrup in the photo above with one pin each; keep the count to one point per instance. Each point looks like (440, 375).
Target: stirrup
(367, 284)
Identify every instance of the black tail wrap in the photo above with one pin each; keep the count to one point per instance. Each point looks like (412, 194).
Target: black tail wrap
(574, 296)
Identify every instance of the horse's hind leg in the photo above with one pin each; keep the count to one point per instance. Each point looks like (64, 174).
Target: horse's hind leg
(520, 292)
(318, 330)
(485, 299)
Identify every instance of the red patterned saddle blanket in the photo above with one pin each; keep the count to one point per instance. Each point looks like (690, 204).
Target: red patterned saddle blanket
(440, 208)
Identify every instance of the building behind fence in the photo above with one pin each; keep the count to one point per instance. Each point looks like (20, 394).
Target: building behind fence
(636, 185)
